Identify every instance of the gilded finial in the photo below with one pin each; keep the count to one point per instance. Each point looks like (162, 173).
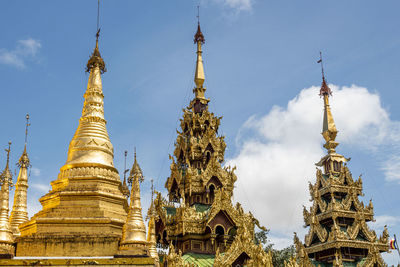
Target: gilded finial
(199, 76)
(325, 90)
(136, 171)
(198, 37)
(6, 176)
(329, 131)
(96, 60)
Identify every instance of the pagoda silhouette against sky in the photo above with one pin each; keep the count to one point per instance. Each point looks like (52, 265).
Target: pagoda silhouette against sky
(199, 222)
(338, 234)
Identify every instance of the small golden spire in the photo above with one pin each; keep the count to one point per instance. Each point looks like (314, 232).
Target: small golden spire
(136, 171)
(6, 235)
(19, 213)
(199, 77)
(329, 130)
(133, 240)
(151, 235)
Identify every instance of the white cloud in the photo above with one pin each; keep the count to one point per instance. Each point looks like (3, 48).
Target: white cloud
(35, 171)
(391, 168)
(238, 5)
(25, 49)
(41, 187)
(382, 220)
(278, 151)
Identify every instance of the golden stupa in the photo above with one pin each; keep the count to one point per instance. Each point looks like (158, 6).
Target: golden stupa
(85, 211)
(86, 215)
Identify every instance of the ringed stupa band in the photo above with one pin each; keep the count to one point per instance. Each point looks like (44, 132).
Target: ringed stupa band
(93, 214)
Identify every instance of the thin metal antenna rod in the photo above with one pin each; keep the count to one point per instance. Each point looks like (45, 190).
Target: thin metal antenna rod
(152, 190)
(125, 171)
(98, 14)
(322, 65)
(198, 14)
(26, 128)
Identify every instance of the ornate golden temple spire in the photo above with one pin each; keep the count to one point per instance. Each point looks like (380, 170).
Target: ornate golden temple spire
(91, 144)
(199, 103)
(151, 235)
(329, 131)
(6, 235)
(199, 76)
(133, 240)
(19, 213)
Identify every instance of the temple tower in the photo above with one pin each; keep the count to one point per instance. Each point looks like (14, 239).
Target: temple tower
(198, 222)
(6, 235)
(338, 234)
(19, 213)
(85, 211)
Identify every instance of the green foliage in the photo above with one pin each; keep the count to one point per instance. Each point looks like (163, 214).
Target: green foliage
(278, 256)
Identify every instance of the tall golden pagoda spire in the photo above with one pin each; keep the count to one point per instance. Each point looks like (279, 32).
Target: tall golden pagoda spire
(84, 213)
(6, 235)
(151, 228)
(329, 131)
(19, 213)
(91, 144)
(133, 240)
(199, 103)
(199, 76)
(338, 233)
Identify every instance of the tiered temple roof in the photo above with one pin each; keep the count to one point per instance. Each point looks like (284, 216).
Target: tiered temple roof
(199, 223)
(338, 234)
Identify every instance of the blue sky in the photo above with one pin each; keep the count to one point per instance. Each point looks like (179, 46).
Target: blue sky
(260, 63)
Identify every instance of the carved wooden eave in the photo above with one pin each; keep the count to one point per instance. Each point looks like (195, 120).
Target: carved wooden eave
(223, 203)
